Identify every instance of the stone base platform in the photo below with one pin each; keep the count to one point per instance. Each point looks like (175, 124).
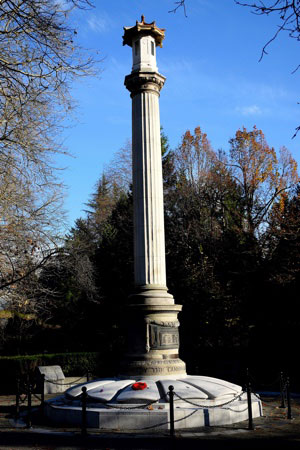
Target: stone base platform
(114, 404)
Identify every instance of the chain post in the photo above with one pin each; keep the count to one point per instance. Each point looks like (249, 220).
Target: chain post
(83, 417)
(282, 390)
(29, 418)
(171, 396)
(87, 376)
(17, 397)
(288, 395)
(250, 419)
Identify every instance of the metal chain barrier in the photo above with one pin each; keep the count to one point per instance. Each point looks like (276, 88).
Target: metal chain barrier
(23, 400)
(26, 390)
(144, 405)
(168, 422)
(171, 393)
(37, 397)
(64, 384)
(256, 395)
(208, 406)
(84, 411)
(172, 421)
(285, 393)
(108, 406)
(23, 393)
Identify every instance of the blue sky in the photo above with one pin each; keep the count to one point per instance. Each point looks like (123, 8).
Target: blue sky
(214, 79)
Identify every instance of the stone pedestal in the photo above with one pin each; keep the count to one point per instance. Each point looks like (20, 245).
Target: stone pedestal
(153, 341)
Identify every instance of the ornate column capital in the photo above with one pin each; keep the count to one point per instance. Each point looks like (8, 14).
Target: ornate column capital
(138, 82)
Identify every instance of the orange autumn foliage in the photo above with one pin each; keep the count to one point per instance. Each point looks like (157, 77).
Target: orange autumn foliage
(263, 177)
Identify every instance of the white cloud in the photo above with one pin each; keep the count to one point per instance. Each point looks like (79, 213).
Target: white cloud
(99, 24)
(251, 110)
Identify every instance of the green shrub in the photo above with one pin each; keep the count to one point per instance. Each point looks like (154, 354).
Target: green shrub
(72, 364)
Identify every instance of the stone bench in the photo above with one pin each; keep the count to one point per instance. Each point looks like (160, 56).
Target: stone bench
(55, 380)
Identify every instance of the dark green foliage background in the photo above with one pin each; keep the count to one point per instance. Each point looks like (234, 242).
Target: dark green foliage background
(71, 363)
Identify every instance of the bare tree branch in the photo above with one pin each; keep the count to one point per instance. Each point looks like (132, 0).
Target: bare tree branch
(288, 12)
(39, 59)
(179, 4)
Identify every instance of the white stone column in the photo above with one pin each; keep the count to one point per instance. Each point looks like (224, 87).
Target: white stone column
(148, 204)
(153, 337)
(149, 242)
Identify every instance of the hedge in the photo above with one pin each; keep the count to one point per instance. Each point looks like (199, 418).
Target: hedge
(72, 364)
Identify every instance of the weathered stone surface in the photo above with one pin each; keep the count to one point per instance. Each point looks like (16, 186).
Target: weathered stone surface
(197, 402)
(54, 379)
(155, 367)
(149, 239)
(149, 394)
(77, 390)
(156, 350)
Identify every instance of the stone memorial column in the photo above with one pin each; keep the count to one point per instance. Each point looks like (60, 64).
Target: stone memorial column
(153, 323)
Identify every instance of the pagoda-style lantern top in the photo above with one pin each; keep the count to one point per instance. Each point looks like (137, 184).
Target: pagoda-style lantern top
(144, 38)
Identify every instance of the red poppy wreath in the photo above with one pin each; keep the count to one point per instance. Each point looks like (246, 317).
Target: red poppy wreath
(139, 386)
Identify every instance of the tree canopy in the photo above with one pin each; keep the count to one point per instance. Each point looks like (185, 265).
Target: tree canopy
(39, 58)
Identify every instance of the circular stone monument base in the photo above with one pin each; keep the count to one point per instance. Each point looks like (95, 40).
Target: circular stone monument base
(142, 404)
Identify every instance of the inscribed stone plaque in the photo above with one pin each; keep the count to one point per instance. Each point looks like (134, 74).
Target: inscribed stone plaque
(163, 337)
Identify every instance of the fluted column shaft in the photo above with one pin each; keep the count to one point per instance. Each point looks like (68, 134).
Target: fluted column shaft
(153, 339)
(149, 240)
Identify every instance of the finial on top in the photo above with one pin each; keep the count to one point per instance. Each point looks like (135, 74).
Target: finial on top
(143, 28)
